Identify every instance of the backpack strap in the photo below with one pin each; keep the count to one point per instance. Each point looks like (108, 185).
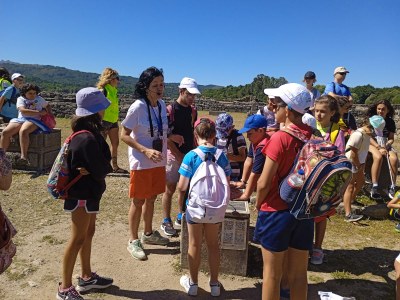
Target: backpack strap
(202, 155)
(300, 137)
(69, 139)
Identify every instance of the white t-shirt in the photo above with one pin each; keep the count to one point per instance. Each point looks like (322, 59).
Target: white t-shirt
(137, 120)
(36, 104)
(359, 140)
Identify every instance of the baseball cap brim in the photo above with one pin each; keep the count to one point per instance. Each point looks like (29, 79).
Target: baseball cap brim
(193, 91)
(276, 93)
(244, 129)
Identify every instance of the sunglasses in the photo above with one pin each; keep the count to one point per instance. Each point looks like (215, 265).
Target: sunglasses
(342, 73)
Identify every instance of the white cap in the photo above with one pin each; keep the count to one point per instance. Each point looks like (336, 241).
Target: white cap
(16, 75)
(295, 95)
(190, 84)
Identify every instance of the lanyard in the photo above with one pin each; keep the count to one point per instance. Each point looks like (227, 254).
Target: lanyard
(159, 120)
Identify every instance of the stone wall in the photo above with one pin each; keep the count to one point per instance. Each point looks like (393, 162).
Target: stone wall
(64, 106)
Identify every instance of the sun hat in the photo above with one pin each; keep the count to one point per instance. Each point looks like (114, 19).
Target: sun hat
(90, 101)
(223, 124)
(190, 84)
(16, 75)
(254, 121)
(295, 95)
(340, 70)
(310, 75)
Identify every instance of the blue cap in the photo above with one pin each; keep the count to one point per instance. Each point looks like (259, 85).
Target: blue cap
(254, 121)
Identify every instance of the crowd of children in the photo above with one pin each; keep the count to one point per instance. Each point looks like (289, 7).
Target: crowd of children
(276, 134)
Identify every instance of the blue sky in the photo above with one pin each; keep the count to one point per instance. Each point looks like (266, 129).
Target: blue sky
(214, 41)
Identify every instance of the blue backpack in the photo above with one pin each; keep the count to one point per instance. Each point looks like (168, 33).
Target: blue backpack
(318, 179)
(9, 108)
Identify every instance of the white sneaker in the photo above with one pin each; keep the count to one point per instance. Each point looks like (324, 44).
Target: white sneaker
(190, 288)
(215, 289)
(135, 248)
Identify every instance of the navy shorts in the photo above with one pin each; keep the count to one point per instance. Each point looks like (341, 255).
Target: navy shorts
(277, 231)
(108, 125)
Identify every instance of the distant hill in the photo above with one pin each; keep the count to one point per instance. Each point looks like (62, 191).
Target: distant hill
(63, 80)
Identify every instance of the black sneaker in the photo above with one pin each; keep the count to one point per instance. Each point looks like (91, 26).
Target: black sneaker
(375, 194)
(95, 282)
(353, 217)
(70, 294)
(168, 228)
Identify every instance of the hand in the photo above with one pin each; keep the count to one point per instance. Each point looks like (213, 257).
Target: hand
(154, 155)
(83, 171)
(237, 184)
(177, 138)
(383, 151)
(388, 145)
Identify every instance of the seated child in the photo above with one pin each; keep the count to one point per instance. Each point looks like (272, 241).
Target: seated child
(394, 205)
(31, 108)
(204, 132)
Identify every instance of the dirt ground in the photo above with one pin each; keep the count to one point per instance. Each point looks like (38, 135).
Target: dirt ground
(359, 257)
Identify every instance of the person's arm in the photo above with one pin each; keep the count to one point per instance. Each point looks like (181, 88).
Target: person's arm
(265, 180)
(394, 203)
(238, 158)
(32, 112)
(182, 185)
(390, 141)
(172, 139)
(354, 157)
(151, 154)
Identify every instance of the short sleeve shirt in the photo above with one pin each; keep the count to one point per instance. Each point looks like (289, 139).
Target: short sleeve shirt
(390, 127)
(338, 89)
(192, 161)
(137, 120)
(359, 140)
(36, 104)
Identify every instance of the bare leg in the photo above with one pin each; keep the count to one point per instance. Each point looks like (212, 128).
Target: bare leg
(211, 233)
(397, 268)
(298, 262)
(79, 228)
(113, 134)
(320, 229)
(135, 213)
(86, 248)
(394, 162)
(7, 134)
(272, 274)
(376, 164)
(148, 211)
(195, 233)
(167, 199)
(26, 129)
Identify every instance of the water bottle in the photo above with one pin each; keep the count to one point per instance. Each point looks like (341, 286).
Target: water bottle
(297, 179)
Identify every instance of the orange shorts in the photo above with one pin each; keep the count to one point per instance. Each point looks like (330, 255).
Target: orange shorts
(147, 183)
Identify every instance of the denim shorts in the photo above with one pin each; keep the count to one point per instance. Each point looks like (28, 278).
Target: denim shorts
(279, 230)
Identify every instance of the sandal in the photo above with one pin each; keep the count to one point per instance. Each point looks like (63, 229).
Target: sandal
(118, 170)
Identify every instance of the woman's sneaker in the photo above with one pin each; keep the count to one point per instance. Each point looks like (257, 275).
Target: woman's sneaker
(168, 227)
(94, 282)
(69, 294)
(375, 193)
(135, 248)
(178, 221)
(154, 239)
(190, 287)
(353, 217)
(215, 289)
(317, 257)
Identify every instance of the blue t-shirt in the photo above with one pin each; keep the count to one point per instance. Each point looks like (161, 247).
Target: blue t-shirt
(338, 89)
(192, 161)
(9, 108)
